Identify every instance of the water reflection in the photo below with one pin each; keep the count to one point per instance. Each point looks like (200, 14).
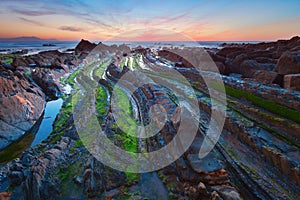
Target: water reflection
(40, 131)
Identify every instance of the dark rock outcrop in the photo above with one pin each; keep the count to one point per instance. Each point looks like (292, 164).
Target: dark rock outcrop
(20, 62)
(84, 46)
(41, 183)
(45, 80)
(281, 56)
(15, 174)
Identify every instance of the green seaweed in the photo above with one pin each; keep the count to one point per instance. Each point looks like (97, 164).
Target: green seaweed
(263, 103)
(101, 101)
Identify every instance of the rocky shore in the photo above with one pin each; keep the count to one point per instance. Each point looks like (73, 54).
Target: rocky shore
(26, 84)
(256, 156)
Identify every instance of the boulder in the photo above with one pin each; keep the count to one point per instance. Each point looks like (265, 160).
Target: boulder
(292, 81)
(265, 76)
(221, 67)
(239, 59)
(216, 57)
(249, 67)
(288, 63)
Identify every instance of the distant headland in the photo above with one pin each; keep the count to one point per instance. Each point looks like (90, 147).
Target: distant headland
(26, 39)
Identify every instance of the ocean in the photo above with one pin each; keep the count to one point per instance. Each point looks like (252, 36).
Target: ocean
(35, 47)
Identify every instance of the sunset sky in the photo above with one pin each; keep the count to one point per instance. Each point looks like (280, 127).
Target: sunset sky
(200, 20)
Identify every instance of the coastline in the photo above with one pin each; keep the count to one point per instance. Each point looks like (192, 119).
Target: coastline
(260, 122)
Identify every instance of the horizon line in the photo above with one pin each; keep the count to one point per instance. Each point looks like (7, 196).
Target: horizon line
(103, 41)
(107, 40)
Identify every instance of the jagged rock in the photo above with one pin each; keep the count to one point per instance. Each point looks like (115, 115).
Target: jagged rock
(84, 46)
(22, 104)
(288, 63)
(41, 183)
(44, 78)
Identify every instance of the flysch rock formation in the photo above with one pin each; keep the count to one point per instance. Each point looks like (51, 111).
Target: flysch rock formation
(256, 156)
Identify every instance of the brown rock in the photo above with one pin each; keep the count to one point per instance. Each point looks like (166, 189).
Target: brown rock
(265, 76)
(5, 195)
(288, 63)
(18, 61)
(202, 190)
(292, 81)
(231, 52)
(21, 106)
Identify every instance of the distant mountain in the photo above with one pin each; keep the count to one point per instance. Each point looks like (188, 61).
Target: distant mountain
(26, 39)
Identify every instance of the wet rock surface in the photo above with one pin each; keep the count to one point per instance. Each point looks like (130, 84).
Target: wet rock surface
(26, 86)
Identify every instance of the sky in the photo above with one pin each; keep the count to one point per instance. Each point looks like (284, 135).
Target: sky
(201, 20)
